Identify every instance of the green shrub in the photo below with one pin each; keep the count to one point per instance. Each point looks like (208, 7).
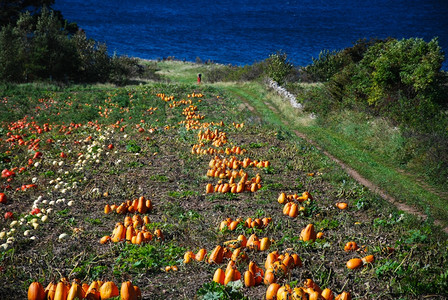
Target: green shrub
(11, 67)
(235, 73)
(213, 290)
(44, 47)
(278, 67)
(401, 80)
(330, 63)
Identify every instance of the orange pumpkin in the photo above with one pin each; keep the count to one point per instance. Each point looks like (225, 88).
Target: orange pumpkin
(229, 276)
(61, 292)
(341, 205)
(309, 283)
(219, 276)
(93, 286)
(138, 292)
(297, 260)
(130, 232)
(36, 291)
(127, 291)
(269, 277)
(287, 208)
(209, 188)
(216, 256)
(281, 198)
(188, 256)
(327, 294)
(201, 254)
(75, 291)
(293, 211)
(344, 296)
(236, 254)
(108, 290)
(265, 243)
(351, 246)
(243, 240)
(233, 225)
(270, 259)
(308, 234)
(283, 293)
(368, 259)
(298, 293)
(288, 261)
(141, 205)
(158, 233)
(50, 290)
(271, 292)
(354, 263)
(249, 279)
(119, 233)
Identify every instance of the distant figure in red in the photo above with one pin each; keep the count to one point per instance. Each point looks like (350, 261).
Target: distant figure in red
(199, 77)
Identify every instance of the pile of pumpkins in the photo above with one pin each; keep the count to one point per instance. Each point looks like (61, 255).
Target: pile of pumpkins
(276, 266)
(140, 205)
(129, 231)
(291, 208)
(234, 163)
(284, 198)
(219, 253)
(97, 290)
(310, 290)
(252, 277)
(190, 113)
(258, 223)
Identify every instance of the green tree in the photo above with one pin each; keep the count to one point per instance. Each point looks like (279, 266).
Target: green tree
(401, 79)
(278, 67)
(54, 55)
(94, 62)
(10, 10)
(11, 65)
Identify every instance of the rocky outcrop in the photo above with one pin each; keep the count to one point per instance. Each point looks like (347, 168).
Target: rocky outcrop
(284, 93)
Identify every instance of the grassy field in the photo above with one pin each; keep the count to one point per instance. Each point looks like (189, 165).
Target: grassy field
(104, 145)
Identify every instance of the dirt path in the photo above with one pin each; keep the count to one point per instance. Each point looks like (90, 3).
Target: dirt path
(354, 174)
(367, 183)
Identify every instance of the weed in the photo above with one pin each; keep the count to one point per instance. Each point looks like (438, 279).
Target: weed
(362, 204)
(135, 164)
(392, 220)
(327, 224)
(149, 257)
(183, 194)
(63, 212)
(189, 215)
(213, 290)
(133, 147)
(95, 221)
(159, 178)
(257, 145)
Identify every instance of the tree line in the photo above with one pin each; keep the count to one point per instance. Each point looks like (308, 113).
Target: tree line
(37, 43)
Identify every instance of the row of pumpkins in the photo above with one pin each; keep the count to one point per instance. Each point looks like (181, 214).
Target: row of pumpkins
(276, 264)
(310, 290)
(97, 290)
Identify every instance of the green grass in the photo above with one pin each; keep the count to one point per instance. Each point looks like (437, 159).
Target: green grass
(403, 187)
(181, 72)
(174, 180)
(150, 258)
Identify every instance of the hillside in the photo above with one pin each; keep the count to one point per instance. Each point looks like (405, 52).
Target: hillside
(70, 152)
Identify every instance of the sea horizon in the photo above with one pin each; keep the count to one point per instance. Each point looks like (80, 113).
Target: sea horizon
(243, 32)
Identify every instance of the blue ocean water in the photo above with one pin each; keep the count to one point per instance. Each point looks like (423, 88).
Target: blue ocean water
(241, 32)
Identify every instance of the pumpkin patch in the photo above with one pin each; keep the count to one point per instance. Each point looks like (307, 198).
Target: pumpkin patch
(157, 185)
